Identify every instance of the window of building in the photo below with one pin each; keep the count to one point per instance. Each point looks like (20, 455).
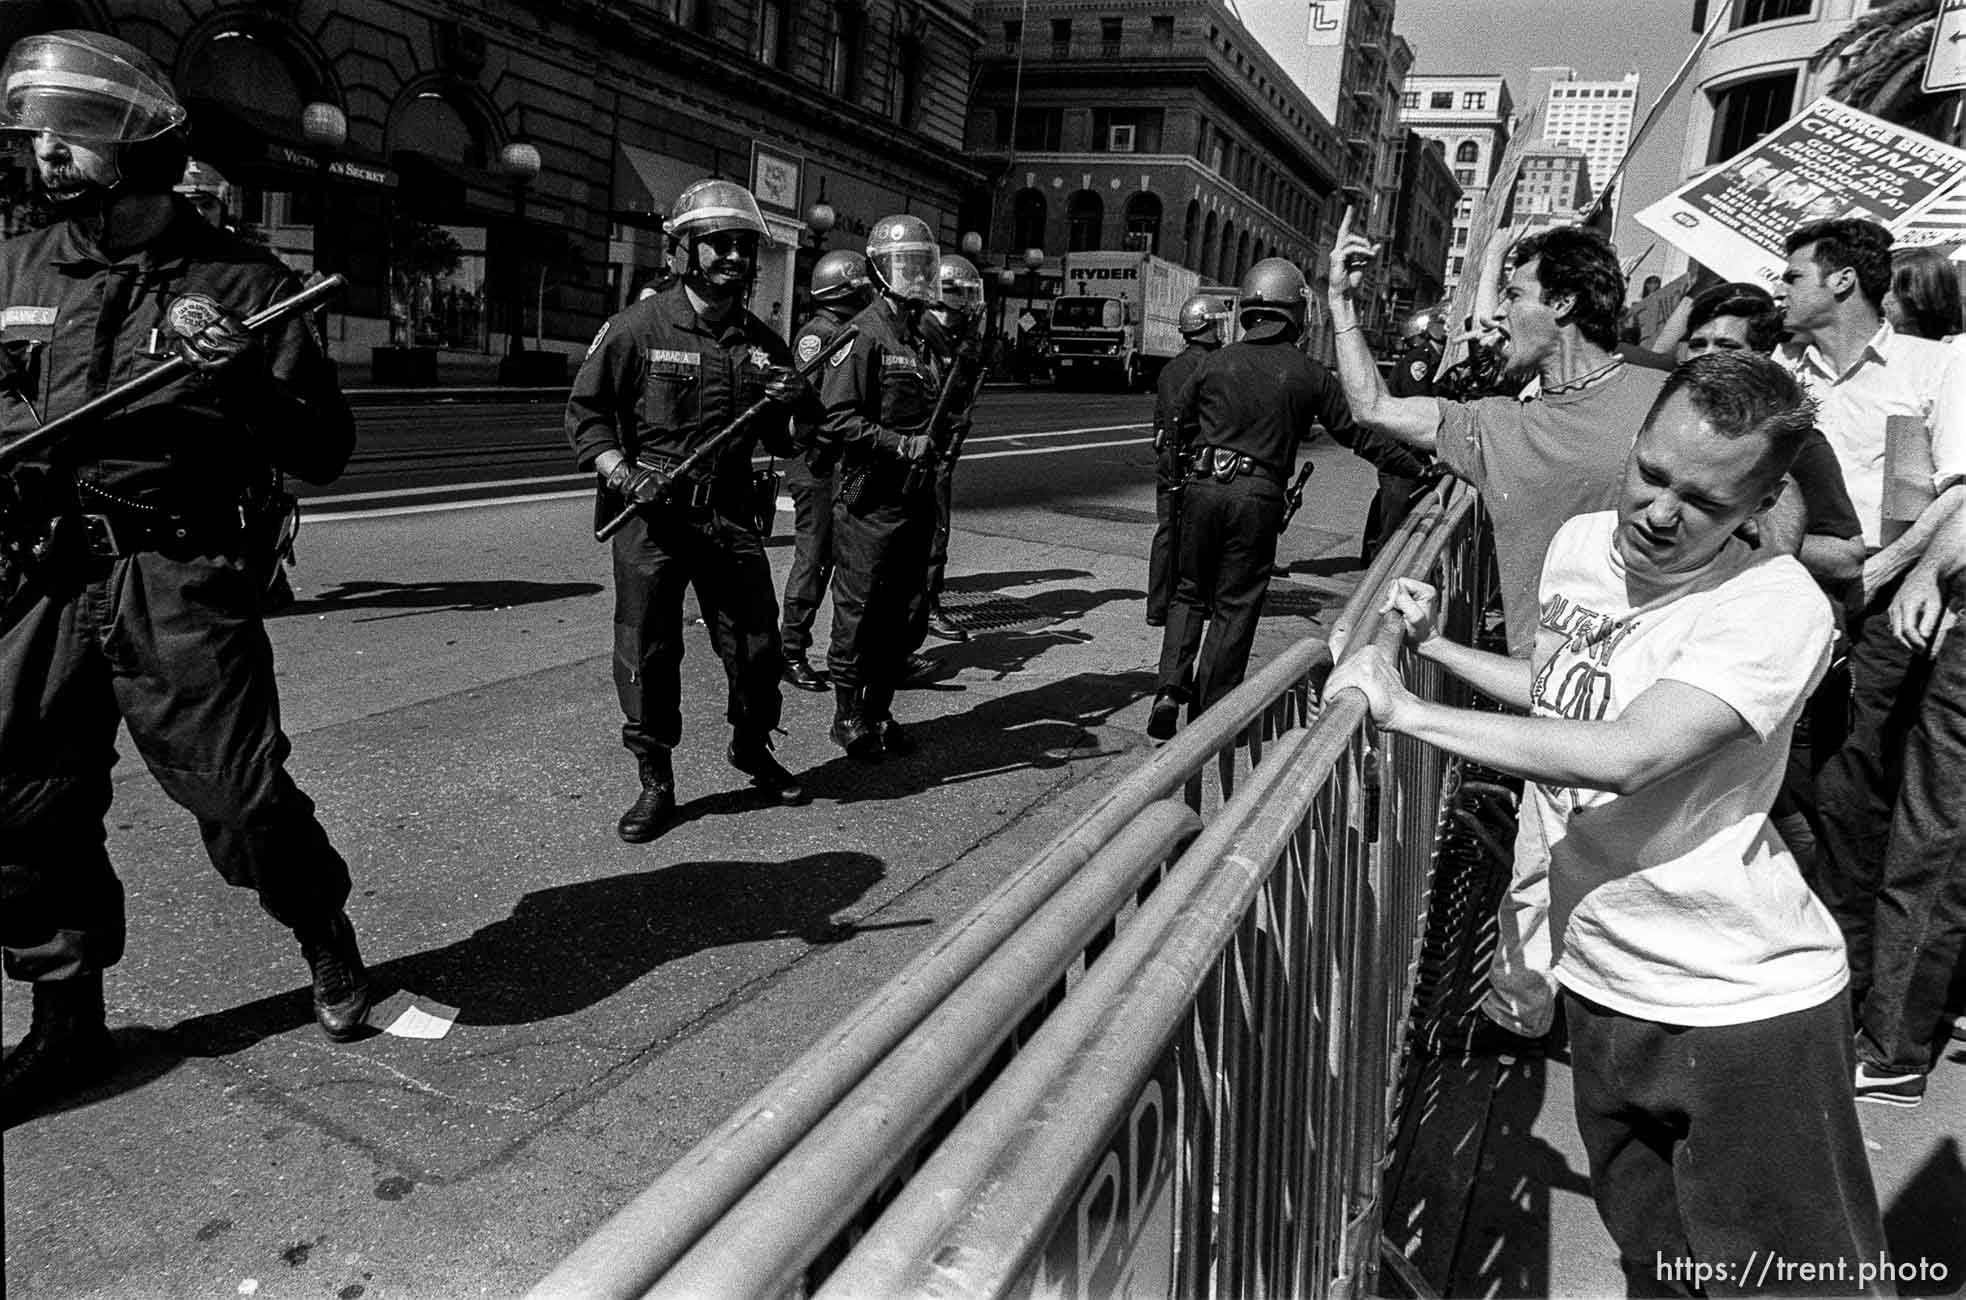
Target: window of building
(1441, 99)
(1454, 265)
(1409, 99)
(1474, 99)
(1085, 213)
(774, 33)
(1013, 35)
(1748, 110)
(1041, 130)
(1467, 152)
(1163, 32)
(1127, 130)
(843, 63)
(1110, 32)
(910, 59)
(1061, 38)
(697, 15)
(1460, 236)
(1143, 213)
(1749, 12)
(1027, 218)
(1465, 175)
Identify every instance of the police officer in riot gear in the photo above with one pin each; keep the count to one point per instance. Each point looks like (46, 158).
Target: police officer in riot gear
(136, 552)
(1423, 337)
(878, 395)
(661, 376)
(1252, 403)
(1199, 323)
(841, 288)
(950, 324)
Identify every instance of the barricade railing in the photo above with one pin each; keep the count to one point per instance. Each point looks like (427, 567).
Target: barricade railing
(1225, 1034)
(721, 1181)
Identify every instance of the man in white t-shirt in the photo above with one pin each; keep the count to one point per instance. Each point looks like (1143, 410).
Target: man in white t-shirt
(1702, 980)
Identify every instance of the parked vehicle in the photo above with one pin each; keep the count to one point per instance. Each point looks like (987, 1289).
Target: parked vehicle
(1113, 322)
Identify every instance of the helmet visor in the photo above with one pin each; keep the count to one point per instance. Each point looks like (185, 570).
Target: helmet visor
(56, 84)
(911, 271)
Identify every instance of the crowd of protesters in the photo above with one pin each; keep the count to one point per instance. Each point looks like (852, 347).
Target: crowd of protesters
(1725, 558)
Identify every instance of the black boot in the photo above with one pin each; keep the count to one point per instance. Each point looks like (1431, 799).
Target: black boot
(649, 815)
(1165, 717)
(850, 730)
(877, 703)
(750, 753)
(941, 626)
(802, 674)
(341, 982)
(67, 1048)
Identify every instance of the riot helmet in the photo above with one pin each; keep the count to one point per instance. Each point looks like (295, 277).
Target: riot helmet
(1273, 291)
(962, 284)
(1428, 321)
(1200, 319)
(723, 216)
(840, 279)
(88, 88)
(904, 260)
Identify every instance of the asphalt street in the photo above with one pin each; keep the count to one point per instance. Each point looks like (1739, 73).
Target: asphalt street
(445, 681)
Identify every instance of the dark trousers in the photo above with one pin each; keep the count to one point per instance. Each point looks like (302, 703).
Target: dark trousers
(721, 555)
(812, 554)
(174, 648)
(1725, 1144)
(1390, 508)
(880, 576)
(938, 547)
(1857, 788)
(1160, 553)
(1919, 922)
(1222, 572)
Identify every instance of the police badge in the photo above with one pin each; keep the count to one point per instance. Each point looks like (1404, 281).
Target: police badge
(190, 314)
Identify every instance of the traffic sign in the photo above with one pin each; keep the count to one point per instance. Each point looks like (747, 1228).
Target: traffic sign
(1945, 66)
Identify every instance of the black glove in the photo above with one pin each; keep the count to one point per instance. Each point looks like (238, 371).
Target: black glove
(916, 448)
(216, 346)
(786, 386)
(639, 485)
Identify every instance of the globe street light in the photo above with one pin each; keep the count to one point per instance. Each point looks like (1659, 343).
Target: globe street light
(820, 220)
(520, 162)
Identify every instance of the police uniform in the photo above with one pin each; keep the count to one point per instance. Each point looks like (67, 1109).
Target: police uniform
(658, 380)
(877, 392)
(1412, 376)
(1169, 477)
(810, 483)
(1252, 403)
(967, 359)
(156, 535)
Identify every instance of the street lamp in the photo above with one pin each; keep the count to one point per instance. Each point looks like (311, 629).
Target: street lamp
(1027, 344)
(971, 244)
(520, 162)
(820, 220)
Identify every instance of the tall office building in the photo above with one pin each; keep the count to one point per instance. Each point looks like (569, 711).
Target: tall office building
(1471, 115)
(1594, 116)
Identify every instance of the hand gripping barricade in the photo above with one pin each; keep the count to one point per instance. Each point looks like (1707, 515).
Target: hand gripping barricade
(23, 541)
(683, 473)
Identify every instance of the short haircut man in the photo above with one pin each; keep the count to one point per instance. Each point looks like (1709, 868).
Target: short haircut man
(1862, 246)
(1753, 305)
(1703, 983)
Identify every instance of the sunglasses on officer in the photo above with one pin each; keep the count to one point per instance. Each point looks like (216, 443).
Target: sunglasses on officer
(726, 242)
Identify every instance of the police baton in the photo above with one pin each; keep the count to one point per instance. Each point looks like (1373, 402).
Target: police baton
(711, 444)
(1293, 496)
(18, 449)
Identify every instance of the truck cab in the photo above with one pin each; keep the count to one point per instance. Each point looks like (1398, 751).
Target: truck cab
(1092, 335)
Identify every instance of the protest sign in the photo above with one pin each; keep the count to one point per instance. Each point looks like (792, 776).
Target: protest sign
(1829, 160)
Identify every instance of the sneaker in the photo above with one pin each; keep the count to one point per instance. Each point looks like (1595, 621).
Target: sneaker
(1889, 1089)
(944, 628)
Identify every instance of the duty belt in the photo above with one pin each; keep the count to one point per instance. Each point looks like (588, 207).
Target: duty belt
(690, 494)
(1226, 464)
(112, 534)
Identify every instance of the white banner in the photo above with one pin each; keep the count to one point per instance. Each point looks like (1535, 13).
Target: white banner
(1827, 161)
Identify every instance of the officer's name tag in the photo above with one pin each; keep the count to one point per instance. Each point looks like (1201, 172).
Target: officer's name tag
(660, 355)
(27, 316)
(891, 362)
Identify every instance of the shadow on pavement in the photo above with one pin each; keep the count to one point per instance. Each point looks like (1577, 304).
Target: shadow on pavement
(1923, 1224)
(1012, 578)
(1504, 1249)
(568, 947)
(476, 596)
(1046, 727)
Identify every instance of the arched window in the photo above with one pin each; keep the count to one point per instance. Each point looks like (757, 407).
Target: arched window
(1467, 152)
(433, 126)
(1027, 220)
(1225, 266)
(1085, 213)
(1190, 230)
(1206, 263)
(242, 71)
(1143, 221)
(1242, 254)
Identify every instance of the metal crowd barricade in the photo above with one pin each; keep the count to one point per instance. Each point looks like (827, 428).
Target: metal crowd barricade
(1112, 1076)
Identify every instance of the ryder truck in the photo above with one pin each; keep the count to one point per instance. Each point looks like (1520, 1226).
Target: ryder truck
(1114, 317)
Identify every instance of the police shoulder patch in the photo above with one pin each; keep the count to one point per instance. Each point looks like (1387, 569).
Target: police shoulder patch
(599, 334)
(1418, 370)
(809, 348)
